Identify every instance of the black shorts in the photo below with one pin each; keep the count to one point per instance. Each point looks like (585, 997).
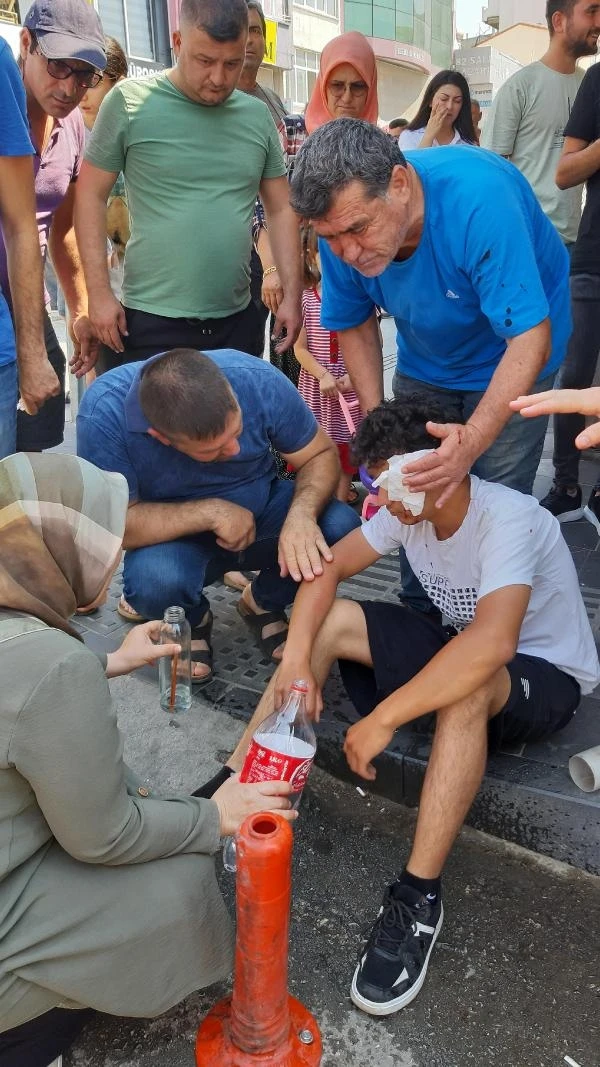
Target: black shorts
(542, 698)
(47, 428)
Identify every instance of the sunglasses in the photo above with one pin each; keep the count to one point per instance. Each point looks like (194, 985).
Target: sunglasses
(57, 68)
(356, 88)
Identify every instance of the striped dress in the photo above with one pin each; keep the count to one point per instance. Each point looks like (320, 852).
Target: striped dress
(323, 345)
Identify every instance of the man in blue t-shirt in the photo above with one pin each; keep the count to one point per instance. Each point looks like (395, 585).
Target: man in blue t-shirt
(18, 223)
(194, 434)
(453, 244)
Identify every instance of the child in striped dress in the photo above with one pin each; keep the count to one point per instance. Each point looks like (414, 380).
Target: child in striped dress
(323, 375)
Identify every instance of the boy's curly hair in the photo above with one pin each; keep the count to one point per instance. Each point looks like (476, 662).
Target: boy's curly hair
(395, 427)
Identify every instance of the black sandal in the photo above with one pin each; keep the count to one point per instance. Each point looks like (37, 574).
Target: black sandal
(257, 624)
(203, 655)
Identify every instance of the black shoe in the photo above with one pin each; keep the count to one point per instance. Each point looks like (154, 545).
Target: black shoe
(562, 505)
(592, 509)
(393, 964)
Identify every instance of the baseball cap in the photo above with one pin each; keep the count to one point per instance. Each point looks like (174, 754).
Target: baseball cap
(67, 29)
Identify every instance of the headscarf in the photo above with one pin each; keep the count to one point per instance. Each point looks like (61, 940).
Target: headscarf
(61, 530)
(351, 47)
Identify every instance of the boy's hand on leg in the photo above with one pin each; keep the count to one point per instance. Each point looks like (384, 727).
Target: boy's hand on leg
(364, 741)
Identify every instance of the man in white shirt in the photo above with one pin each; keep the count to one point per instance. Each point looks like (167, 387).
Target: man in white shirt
(527, 119)
(511, 667)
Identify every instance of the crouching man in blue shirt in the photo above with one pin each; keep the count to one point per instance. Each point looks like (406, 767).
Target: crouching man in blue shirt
(194, 433)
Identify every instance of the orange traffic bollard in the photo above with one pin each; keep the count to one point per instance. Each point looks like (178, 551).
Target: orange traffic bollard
(261, 1024)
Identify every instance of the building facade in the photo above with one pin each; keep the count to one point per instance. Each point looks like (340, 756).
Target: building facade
(501, 14)
(486, 68)
(142, 29)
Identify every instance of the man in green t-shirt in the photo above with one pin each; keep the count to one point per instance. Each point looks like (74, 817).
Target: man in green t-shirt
(527, 120)
(195, 153)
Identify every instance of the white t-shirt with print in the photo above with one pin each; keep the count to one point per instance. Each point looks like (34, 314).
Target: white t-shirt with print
(506, 538)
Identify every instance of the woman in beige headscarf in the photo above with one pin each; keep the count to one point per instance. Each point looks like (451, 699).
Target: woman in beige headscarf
(108, 896)
(346, 86)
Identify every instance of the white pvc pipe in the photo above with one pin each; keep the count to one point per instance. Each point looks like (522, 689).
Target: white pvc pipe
(584, 769)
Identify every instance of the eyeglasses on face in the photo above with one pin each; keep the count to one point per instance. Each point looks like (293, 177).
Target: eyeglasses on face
(356, 88)
(57, 68)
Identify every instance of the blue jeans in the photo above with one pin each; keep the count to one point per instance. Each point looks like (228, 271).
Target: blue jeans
(8, 409)
(577, 372)
(176, 572)
(512, 460)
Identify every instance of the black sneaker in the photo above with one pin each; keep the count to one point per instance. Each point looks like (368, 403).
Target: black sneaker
(393, 964)
(562, 505)
(592, 510)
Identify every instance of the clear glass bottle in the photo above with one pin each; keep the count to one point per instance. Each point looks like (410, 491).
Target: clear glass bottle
(175, 672)
(282, 749)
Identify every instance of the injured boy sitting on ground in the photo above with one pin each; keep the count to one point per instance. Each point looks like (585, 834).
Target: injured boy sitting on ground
(511, 667)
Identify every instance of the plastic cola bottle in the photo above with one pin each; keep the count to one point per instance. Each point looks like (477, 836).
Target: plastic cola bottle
(282, 749)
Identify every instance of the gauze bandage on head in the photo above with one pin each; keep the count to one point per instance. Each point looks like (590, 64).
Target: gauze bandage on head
(392, 480)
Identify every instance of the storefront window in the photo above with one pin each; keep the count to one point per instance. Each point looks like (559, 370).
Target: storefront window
(300, 80)
(325, 7)
(130, 22)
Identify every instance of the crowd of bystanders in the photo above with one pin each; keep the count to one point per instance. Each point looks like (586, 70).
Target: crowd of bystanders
(170, 207)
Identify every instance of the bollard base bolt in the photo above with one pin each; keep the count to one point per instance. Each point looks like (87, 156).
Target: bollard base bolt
(303, 1047)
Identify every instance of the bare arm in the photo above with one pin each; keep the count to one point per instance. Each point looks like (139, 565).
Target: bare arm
(525, 357)
(153, 523)
(578, 162)
(463, 666)
(106, 314)
(64, 253)
(65, 257)
(312, 604)
(272, 289)
(37, 380)
(516, 372)
(301, 543)
(363, 357)
(284, 236)
(305, 359)
(565, 401)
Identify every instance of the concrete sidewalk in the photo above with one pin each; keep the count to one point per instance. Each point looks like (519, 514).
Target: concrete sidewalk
(514, 980)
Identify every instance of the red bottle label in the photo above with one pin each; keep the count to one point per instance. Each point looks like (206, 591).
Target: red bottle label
(264, 763)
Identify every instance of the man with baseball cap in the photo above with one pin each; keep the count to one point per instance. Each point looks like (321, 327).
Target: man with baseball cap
(61, 56)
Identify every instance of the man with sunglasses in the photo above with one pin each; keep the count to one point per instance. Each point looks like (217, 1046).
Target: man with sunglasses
(61, 56)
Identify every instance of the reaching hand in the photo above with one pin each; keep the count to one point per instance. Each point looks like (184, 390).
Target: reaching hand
(565, 402)
(139, 649)
(236, 801)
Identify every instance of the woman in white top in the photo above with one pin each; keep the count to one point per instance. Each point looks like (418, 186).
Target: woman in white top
(444, 116)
